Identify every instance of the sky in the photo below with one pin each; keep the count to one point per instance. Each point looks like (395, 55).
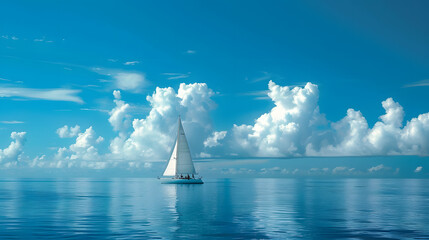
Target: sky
(265, 89)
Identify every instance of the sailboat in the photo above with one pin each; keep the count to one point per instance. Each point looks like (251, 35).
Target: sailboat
(180, 168)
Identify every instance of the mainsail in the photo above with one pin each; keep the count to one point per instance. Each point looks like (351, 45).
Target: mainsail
(180, 160)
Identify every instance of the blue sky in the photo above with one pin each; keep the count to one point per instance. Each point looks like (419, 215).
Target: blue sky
(356, 54)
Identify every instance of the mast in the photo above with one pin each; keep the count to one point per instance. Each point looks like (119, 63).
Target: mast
(177, 144)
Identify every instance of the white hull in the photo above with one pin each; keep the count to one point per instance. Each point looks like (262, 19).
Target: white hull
(181, 181)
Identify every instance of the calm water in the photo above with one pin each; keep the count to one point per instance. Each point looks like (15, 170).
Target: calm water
(220, 208)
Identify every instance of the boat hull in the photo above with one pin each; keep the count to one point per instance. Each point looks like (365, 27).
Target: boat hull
(181, 181)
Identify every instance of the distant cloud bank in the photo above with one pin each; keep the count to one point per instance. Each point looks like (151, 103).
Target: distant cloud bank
(294, 127)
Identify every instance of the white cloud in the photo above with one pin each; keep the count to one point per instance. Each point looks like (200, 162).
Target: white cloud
(339, 169)
(353, 137)
(266, 76)
(15, 148)
(12, 122)
(418, 169)
(83, 148)
(286, 129)
(295, 127)
(173, 76)
(38, 161)
(69, 95)
(213, 140)
(132, 63)
(205, 155)
(133, 82)
(377, 168)
(152, 137)
(119, 116)
(423, 83)
(10, 37)
(124, 80)
(95, 110)
(43, 40)
(191, 51)
(66, 132)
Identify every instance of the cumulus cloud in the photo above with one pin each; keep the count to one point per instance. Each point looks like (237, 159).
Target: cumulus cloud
(353, 137)
(119, 116)
(83, 148)
(68, 95)
(213, 140)
(68, 132)
(15, 148)
(286, 129)
(295, 127)
(152, 137)
(418, 169)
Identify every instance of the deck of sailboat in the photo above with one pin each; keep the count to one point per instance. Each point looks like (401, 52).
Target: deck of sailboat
(181, 181)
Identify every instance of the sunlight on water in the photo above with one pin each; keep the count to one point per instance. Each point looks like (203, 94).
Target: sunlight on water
(220, 208)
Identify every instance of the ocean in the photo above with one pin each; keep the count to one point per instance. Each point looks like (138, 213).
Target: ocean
(261, 208)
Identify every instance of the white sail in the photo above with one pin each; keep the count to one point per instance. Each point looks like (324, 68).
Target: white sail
(184, 160)
(180, 161)
(171, 167)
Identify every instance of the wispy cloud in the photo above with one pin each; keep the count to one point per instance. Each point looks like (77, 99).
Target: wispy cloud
(423, 83)
(131, 63)
(418, 169)
(11, 122)
(257, 95)
(59, 94)
(10, 37)
(172, 76)
(190, 51)
(266, 76)
(43, 39)
(15, 38)
(10, 81)
(95, 110)
(125, 80)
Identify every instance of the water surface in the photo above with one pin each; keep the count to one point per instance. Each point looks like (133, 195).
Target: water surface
(220, 208)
